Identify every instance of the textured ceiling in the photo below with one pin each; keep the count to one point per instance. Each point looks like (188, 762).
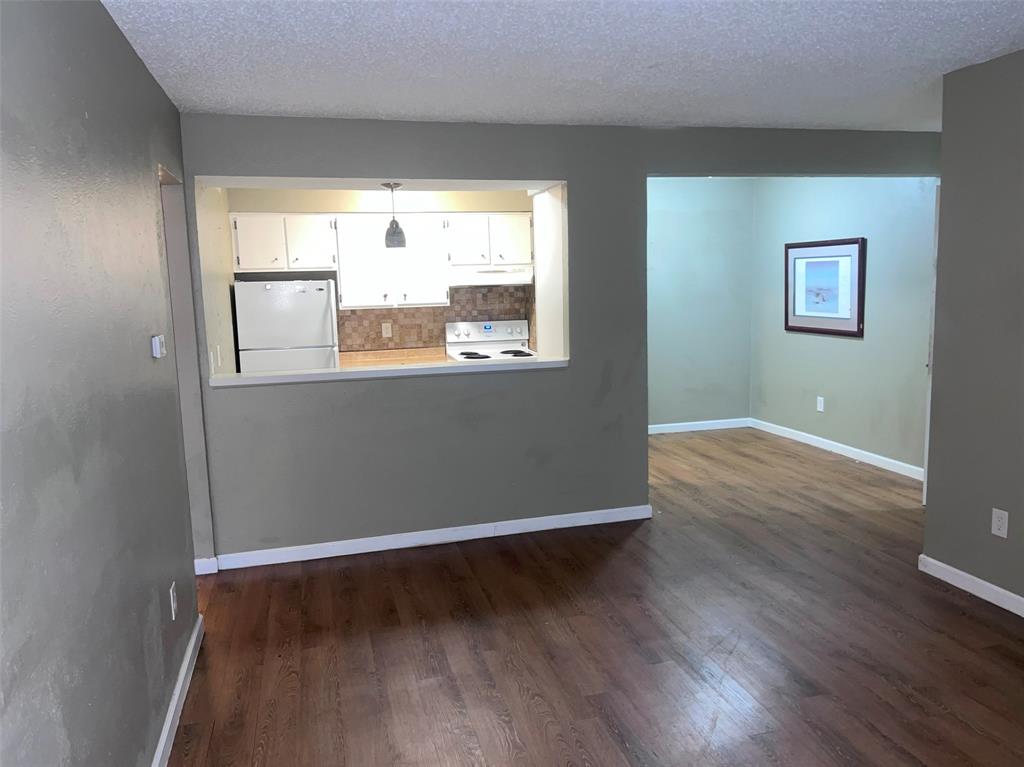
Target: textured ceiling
(845, 64)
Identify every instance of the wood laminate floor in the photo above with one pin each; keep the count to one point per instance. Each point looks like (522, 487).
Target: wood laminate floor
(771, 613)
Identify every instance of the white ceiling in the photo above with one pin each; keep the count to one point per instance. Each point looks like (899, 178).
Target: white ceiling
(814, 64)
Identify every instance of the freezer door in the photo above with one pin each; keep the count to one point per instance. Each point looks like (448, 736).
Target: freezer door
(286, 315)
(278, 360)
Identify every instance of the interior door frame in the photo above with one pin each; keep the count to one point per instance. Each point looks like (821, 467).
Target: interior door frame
(174, 232)
(931, 348)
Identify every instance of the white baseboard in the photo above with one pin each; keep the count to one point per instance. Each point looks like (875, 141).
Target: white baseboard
(890, 464)
(972, 584)
(188, 664)
(721, 423)
(428, 537)
(206, 565)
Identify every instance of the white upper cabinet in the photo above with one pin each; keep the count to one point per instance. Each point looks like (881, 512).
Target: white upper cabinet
(466, 239)
(365, 273)
(421, 267)
(312, 241)
(370, 274)
(511, 240)
(259, 241)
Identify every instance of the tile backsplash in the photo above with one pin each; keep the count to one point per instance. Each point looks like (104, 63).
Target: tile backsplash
(417, 327)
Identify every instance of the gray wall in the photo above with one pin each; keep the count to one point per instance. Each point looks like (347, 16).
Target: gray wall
(302, 463)
(976, 454)
(875, 388)
(95, 511)
(700, 237)
(175, 230)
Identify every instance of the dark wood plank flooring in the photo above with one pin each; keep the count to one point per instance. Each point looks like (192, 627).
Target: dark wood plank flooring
(770, 614)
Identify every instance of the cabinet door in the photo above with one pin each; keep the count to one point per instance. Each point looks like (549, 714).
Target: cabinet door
(259, 242)
(421, 267)
(466, 236)
(511, 238)
(312, 241)
(365, 273)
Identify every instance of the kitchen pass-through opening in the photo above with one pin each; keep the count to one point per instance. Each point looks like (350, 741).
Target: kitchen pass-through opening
(330, 279)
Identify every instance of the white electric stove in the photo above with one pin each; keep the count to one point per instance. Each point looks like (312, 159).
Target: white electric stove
(488, 341)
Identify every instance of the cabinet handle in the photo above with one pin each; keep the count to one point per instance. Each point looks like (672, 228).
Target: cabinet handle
(385, 296)
(275, 258)
(483, 255)
(501, 256)
(405, 296)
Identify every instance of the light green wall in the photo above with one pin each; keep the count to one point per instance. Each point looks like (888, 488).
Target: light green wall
(699, 236)
(875, 388)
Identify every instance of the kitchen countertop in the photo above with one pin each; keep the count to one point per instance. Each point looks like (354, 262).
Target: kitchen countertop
(386, 363)
(378, 358)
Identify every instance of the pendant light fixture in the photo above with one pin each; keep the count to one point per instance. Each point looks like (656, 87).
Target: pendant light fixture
(394, 237)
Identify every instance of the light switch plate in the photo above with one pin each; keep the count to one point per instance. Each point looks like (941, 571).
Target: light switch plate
(821, 404)
(1000, 522)
(385, 329)
(158, 347)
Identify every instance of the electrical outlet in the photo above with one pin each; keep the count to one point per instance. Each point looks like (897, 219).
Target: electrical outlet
(821, 404)
(385, 329)
(174, 601)
(1000, 522)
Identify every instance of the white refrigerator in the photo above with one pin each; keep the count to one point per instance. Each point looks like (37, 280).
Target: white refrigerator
(287, 325)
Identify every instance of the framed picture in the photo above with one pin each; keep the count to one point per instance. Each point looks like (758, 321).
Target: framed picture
(825, 286)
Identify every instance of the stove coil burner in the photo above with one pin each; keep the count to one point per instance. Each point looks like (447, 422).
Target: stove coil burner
(474, 356)
(517, 353)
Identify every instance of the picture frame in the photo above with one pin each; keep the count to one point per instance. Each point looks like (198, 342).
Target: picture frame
(824, 286)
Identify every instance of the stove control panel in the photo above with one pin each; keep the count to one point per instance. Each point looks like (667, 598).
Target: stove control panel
(486, 331)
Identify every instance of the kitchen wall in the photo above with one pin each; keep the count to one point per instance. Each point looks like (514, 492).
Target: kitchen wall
(216, 275)
(976, 455)
(700, 236)
(422, 327)
(358, 329)
(554, 441)
(375, 201)
(875, 388)
(718, 347)
(94, 508)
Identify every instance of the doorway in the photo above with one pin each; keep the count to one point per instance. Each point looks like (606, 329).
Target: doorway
(719, 354)
(179, 277)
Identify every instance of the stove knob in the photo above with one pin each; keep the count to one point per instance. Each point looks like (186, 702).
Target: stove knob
(458, 332)
(519, 331)
(467, 334)
(510, 331)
